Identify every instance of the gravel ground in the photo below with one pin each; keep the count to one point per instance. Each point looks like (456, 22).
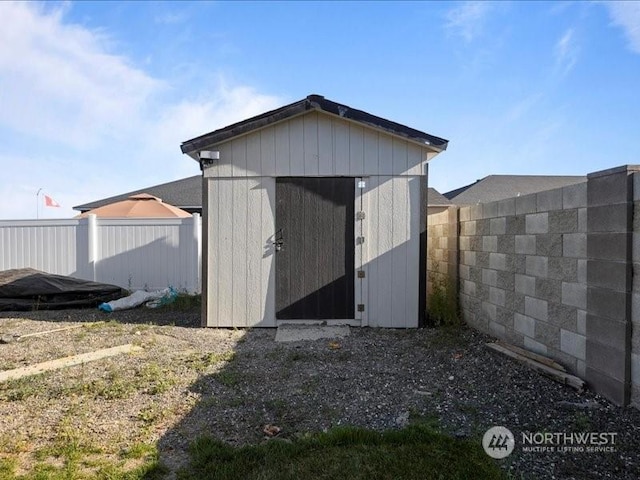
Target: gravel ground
(189, 381)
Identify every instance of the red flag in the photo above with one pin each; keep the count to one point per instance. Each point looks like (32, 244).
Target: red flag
(50, 202)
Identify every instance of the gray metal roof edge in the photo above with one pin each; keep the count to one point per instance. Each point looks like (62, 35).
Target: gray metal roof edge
(311, 102)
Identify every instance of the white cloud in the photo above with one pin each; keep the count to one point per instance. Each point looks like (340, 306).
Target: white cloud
(85, 123)
(59, 82)
(467, 20)
(626, 15)
(566, 52)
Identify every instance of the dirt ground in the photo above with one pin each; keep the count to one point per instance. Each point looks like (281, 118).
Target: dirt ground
(188, 381)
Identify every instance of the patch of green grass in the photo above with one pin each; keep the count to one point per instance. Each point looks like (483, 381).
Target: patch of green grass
(7, 468)
(140, 450)
(21, 388)
(154, 380)
(228, 378)
(416, 452)
(200, 362)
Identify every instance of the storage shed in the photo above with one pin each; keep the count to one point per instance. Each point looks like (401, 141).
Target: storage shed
(314, 212)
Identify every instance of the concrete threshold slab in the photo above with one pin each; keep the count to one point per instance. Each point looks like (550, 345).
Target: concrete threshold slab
(295, 333)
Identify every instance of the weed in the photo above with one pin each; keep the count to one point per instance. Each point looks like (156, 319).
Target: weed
(228, 378)
(140, 450)
(154, 380)
(443, 302)
(582, 422)
(185, 302)
(21, 388)
(200, 362)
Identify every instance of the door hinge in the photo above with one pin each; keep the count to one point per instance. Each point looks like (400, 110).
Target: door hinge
(360, 273)
(360, 216)
(359, 240)
(361, 307)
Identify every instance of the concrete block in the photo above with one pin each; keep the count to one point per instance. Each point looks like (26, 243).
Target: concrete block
(635, 247)
(609, 246)
(549, 200)
(490, 244)
(582, 220)
(482, 291)
(497, 330)
(581, 325)
(489, 277)
(609, 189)
(475, 243)
(536, 347)
(608, 274)
(537, 223)
(464, 243)
(468, 228)
(464, 272)
(515, 225)
(574, 294)
(548, 289)
(565, 269)
(525, 284)
(549, 245)
(537, 266)
(609, 332)
(609, 218)
(519, 264)
(505, 317)
(496, 296)
(605, 385)
(515, 302)
(483, 226)
(635, 369)
(573, 344)
(526, 204)
(469, 258)
(563, 316)
(525, 244)
(489, 311)
(548, 334)
(582, 271)
(581, 367)
(563, 221)
(490, 209)
(536, 308)
(507, 207)
(607, 359)
(506, 244)
(482, 259)
(475, 212)
(606, 303)
(498, 226)
(574, 245)
(464, 214)
(475, 274)
(498, 261)
(469, 288)
(505, 280)
(523, 324)
(574, 196)
(636, 186)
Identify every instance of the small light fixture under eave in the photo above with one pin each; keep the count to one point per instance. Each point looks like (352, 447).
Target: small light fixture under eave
(207, 157)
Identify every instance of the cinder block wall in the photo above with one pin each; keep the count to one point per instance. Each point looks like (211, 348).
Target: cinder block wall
(523, 272)
(442, 247)
(635, 304)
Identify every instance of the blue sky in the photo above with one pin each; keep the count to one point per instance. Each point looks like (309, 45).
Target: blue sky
(95, 98)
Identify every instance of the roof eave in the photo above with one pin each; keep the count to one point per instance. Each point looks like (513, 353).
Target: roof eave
(318, 103)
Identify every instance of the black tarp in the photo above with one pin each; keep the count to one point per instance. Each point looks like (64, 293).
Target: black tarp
(29, 289)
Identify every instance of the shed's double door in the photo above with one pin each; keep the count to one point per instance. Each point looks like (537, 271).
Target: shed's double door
(315, 248)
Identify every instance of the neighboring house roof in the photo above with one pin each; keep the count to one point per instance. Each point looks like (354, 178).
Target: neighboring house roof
(499, 187)
(185, 194)
(436, 199)
(311, 103)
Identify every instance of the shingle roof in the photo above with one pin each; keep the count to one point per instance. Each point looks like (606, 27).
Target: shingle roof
(499, 187)
(312, 102)
(436, 199)
(185, 194)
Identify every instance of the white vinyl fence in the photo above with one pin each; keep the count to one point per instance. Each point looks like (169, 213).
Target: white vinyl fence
(132, 253)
